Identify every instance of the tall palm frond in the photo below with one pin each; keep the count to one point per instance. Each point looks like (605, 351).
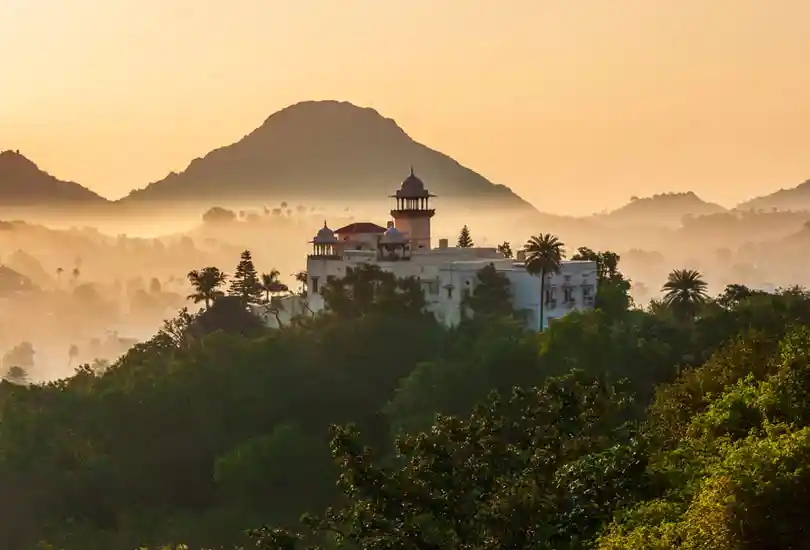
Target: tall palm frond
(544, 255)
(685, 291)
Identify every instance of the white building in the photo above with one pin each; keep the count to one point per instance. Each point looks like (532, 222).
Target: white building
(404, 247)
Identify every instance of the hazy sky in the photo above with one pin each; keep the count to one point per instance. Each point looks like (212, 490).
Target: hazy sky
(575, 104)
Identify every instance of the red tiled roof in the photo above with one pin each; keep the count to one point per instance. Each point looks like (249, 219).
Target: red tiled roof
(360, 227)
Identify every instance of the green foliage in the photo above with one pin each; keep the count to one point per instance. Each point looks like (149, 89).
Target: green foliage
(367, 290)
(735, 462)
(228, 314)
(464, 238)
(491, 294)
(685, 292)
(614, 428)
(478, 483)
(613, 295)
(278, 463)
(207, 284)
(544, 255)
(245, 283)
(505, 248)
(494, 354)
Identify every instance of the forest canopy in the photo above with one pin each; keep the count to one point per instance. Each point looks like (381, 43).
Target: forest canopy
(681, 425)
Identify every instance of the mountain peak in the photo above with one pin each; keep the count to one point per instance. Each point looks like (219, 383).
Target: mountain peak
(15, 159)
(22, 182)
(793, 199)
(664, 208)
(329, 150)
(341, 117)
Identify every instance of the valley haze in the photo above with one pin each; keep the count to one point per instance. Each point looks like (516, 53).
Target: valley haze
(334, 161)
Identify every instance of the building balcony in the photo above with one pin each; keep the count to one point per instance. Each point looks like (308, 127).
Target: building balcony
(413, 213)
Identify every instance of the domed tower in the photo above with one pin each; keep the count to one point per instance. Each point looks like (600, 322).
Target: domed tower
(393, 245)
(324, 243)
(412, 213)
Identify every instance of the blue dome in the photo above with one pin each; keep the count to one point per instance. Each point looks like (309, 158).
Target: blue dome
(393, 235)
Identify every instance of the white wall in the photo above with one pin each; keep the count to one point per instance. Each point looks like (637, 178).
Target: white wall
(579, 278)
(446, 273)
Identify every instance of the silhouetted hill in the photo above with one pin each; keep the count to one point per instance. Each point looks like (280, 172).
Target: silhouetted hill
(666, 209)
(22, 183)
(796, 198)
(325, 149)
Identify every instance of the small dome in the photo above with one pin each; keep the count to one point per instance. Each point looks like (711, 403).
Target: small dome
(325, 236)
(393, 235)
(413, 187)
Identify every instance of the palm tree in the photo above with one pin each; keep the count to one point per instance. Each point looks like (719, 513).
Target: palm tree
(75, 273)
(207, 283)
(270, 283)
(685, 291)
(59, 272)
(73, 353)
(544, 255)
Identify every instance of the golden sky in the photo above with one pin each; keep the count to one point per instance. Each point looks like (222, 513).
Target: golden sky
(575, 104)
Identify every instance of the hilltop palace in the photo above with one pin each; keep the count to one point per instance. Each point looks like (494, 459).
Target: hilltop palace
(404, 247)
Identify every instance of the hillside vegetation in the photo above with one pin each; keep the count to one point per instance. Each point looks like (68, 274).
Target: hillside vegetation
(683, 425)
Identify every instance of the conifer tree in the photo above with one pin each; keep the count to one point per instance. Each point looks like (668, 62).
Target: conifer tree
(245, 282)
(464, 238)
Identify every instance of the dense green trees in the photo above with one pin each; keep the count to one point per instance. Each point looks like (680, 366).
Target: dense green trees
(615, 428)
(492, 295)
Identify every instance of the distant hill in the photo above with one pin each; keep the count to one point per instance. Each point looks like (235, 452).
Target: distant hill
(22, 183)
(326, 149)
(796, 198)
(666, 209)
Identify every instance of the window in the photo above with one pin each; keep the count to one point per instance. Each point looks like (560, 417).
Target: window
(587, 291)
(449, 292)
(315, 285)
(569, 294)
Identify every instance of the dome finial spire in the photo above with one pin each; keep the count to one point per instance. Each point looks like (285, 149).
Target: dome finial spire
(412, 170)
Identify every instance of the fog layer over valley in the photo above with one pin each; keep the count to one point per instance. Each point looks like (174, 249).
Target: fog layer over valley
(84, 290)
(83, 277)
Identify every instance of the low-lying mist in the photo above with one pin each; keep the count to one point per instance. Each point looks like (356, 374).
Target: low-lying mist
(83, 289)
